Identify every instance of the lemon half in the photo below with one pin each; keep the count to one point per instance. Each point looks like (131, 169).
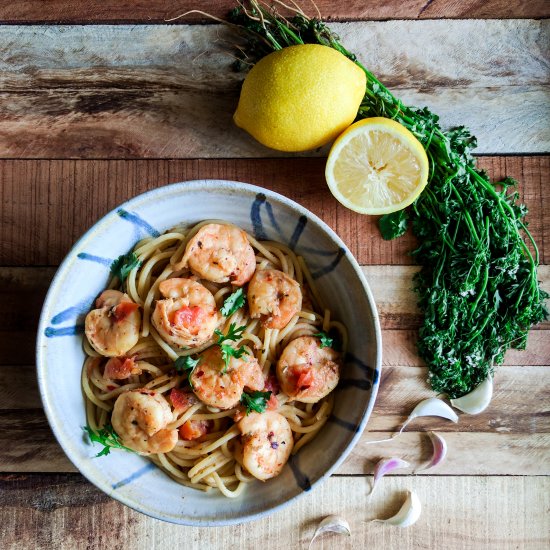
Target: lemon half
(377, 166)
(300, 97)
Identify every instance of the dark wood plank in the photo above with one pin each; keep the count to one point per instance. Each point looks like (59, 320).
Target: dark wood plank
(47, 205)
(157, 11)
(169, 92)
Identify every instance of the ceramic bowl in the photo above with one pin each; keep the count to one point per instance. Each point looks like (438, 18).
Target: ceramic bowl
(132, 479)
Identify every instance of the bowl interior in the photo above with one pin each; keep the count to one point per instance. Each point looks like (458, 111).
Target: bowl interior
(85, 272)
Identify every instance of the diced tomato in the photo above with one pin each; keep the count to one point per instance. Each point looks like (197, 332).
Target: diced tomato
(119, 368)
(193, 429)
(273, 403)
(272, 384)
(182, 400)
(188, 316)
(304, 378)
(123, 310)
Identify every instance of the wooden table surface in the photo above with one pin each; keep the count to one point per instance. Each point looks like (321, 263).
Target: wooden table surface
(101, 100)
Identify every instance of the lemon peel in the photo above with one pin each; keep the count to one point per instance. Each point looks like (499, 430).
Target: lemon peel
(300, 98)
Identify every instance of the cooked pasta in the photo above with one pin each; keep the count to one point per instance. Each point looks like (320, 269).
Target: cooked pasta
(214, 391)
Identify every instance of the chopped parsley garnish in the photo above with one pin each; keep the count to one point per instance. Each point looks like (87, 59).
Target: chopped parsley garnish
(233, 302)
(393, 225)
(234, 333)
(326, 340)
(122, 266)
(255, 401)
(106, 437)
(186, 364)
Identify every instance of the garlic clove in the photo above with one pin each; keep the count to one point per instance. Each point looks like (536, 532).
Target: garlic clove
(386, 466)
(331, 524)
(439, 451)
(477, 400)
(408, 513)
(430, 407)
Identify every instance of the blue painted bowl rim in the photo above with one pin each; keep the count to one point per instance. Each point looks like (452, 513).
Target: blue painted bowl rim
(177, 188)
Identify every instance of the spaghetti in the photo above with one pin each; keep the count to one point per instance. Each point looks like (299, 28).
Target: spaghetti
(192, 423)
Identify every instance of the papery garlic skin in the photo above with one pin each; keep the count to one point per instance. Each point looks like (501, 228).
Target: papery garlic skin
(477, 400)
(386, 466)
(439, 451)
(408, 513)
(430, 407)
(331, 524)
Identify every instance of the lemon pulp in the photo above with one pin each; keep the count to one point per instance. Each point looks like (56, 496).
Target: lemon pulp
(376, 167)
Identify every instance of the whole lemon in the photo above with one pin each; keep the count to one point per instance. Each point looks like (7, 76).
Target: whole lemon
(300, 97)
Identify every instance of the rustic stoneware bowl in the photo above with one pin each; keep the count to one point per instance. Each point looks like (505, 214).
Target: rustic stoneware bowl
(132, 479)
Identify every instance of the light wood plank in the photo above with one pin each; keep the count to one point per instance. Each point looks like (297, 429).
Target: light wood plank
(169, 93)
(504, 513)
(511, 428)
(48, 204)
(157, 11)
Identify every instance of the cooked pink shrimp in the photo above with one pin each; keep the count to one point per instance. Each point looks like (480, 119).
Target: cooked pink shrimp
(220, 253)
(140, 418)
(224, 390)
(187, 317)
(306, 371)
(266, 443)
(113, 328)
(275, 297)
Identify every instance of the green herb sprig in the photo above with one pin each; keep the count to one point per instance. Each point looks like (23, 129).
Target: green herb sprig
(107, 437)
(233, 302)
(326, 340)
(186, 364)
(255, 401)
(122, 266)
(234, 334)
(478, 285)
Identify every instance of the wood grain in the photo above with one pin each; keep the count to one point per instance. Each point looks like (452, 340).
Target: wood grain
(48, 204)
(507, 513)
(157, 11)
(169, 91)
(510, 428)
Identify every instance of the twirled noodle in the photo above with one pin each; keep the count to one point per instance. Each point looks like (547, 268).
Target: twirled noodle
(214, 460)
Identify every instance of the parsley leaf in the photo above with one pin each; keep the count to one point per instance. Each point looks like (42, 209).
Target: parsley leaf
(326, 340)
(393, 225)
(187, 363)
(255, 401)
(122, 266)
(233, 302)
(234, 333)
(106, 437)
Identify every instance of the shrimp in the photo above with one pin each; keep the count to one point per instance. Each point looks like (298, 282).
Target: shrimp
(220, 253)
(224, 390)
(187, 317)
(306, 371)
(275, 297)
(266, 443)
(140, 418)
(113, 328)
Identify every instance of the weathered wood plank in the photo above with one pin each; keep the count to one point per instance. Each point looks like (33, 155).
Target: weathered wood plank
(48, 204)
(22, 292)
(470, 453)
(65, 511)
(168, 91)
(26, 442)
(158, 11)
